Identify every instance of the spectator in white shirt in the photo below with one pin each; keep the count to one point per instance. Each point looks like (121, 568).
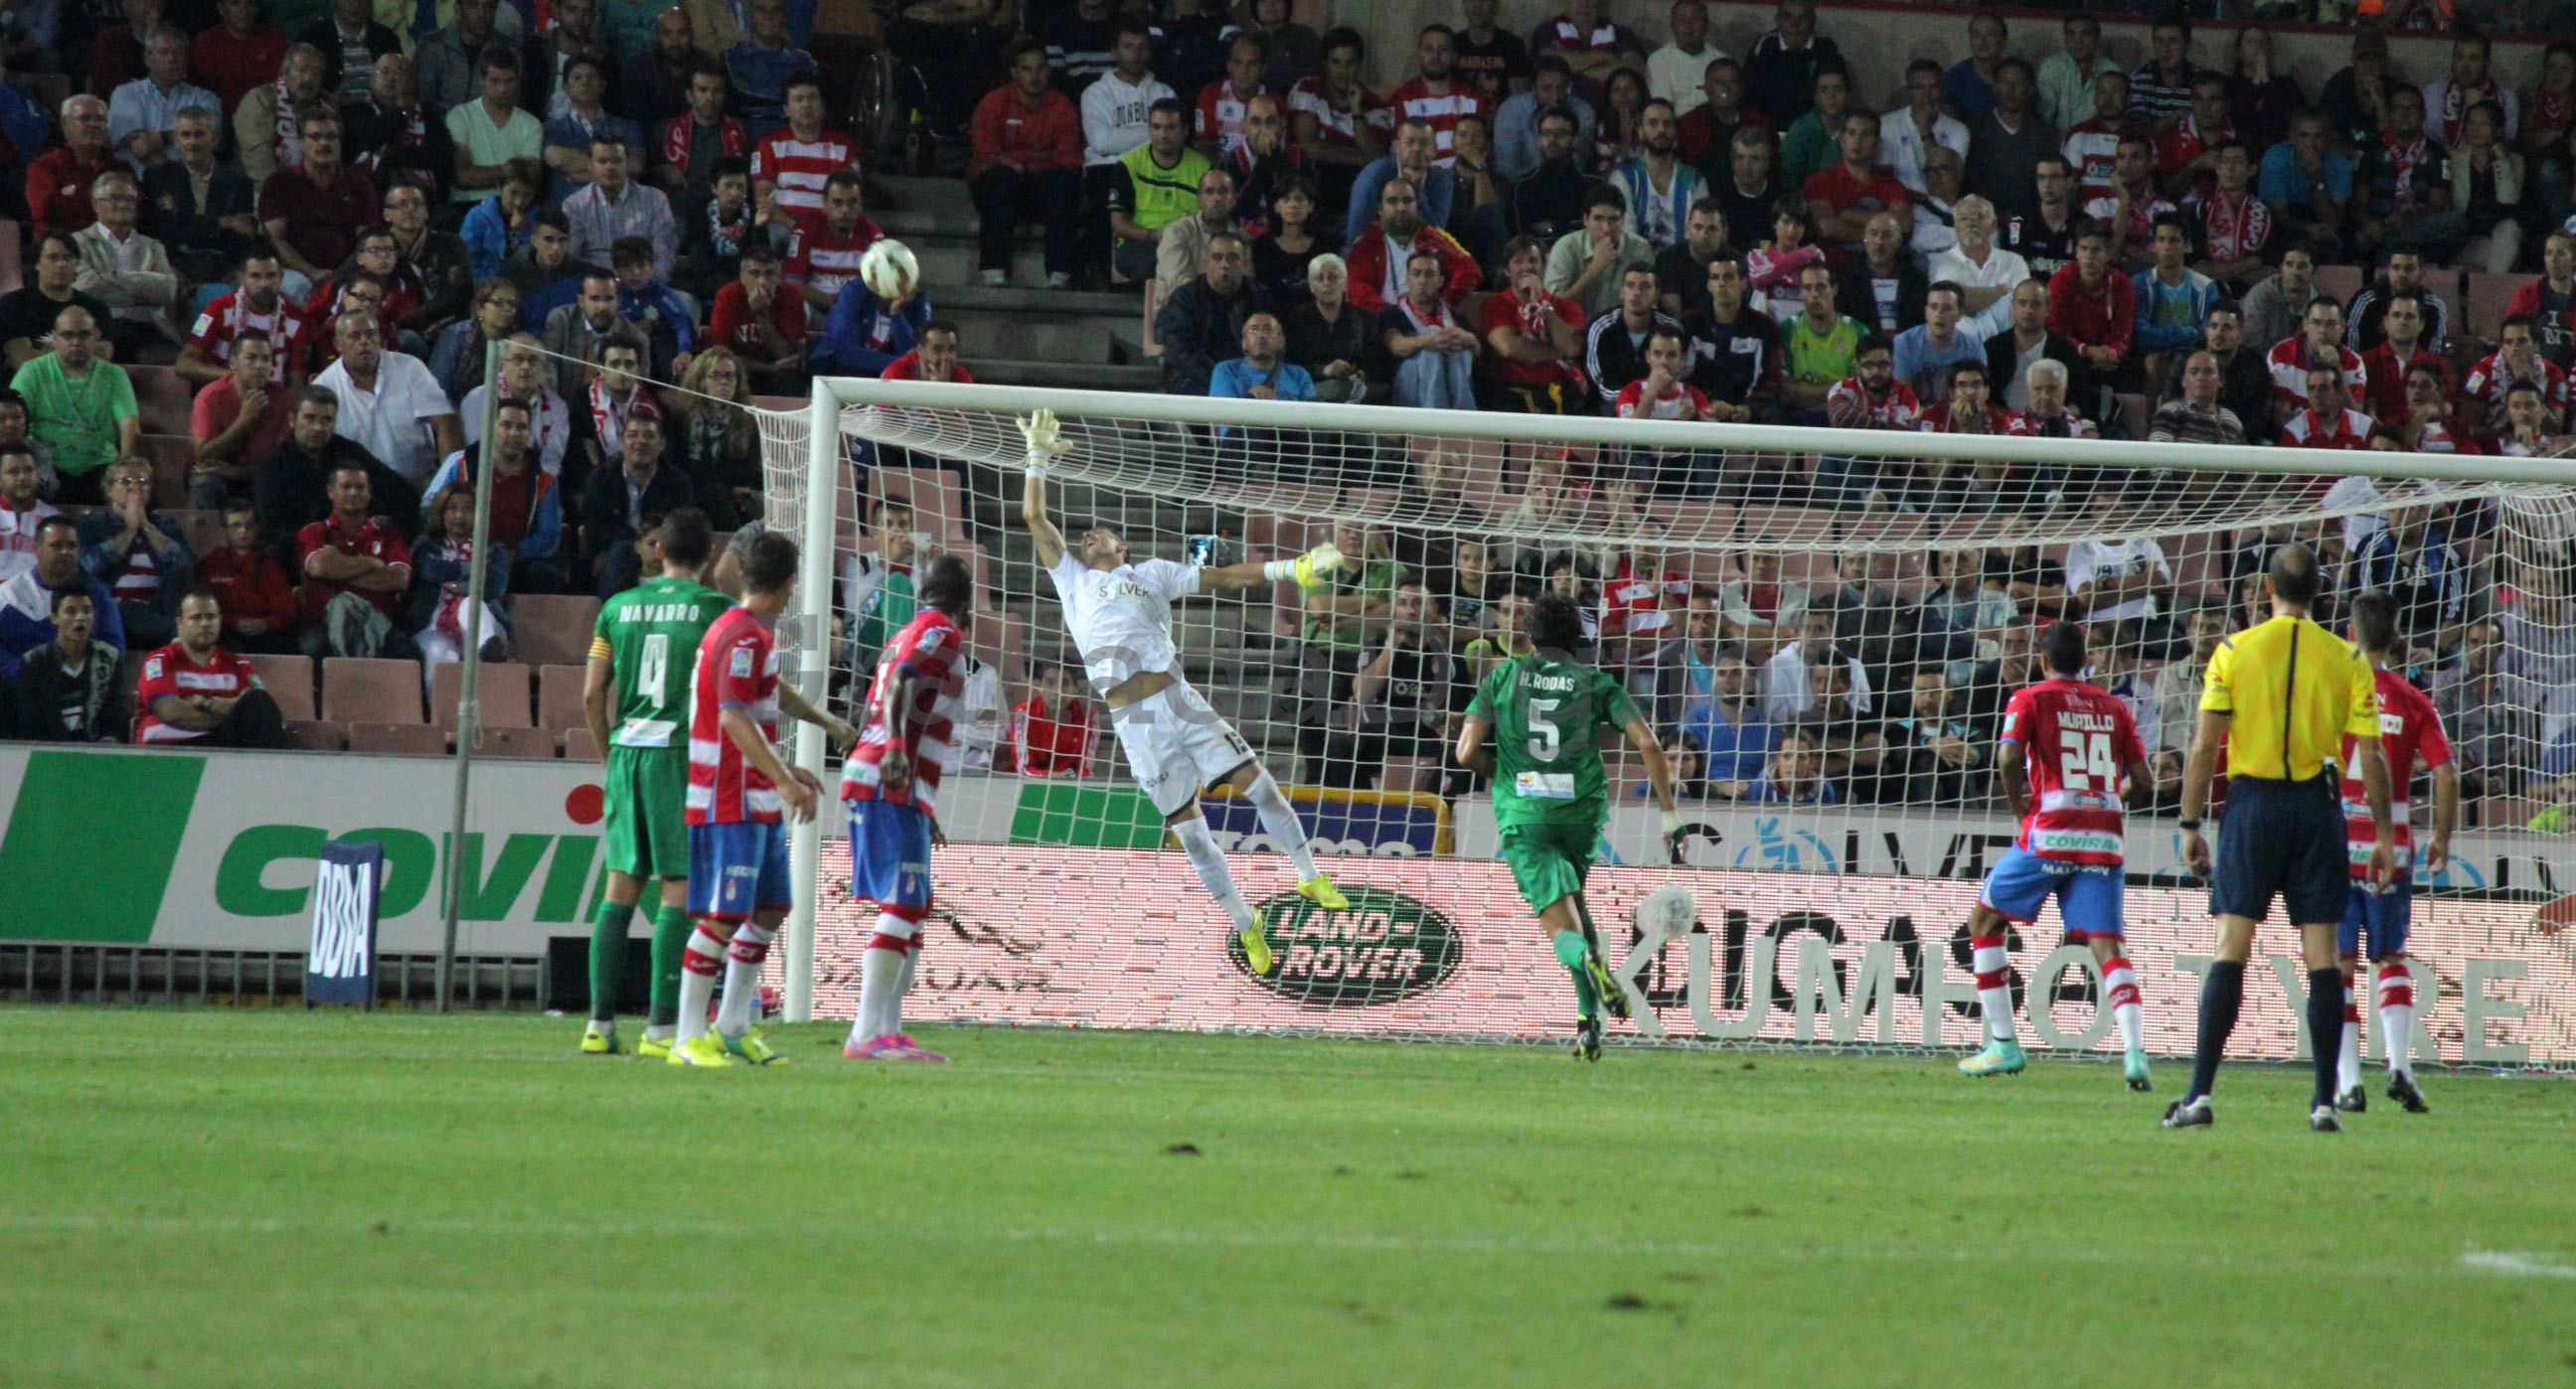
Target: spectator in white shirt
(1678, 71)
(1985, 273)
(1905, 133)
(1787, 694)
(2117, 579)
(389, 403)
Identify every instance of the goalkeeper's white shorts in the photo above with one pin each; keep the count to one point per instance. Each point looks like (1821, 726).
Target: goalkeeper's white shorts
(1176, 743)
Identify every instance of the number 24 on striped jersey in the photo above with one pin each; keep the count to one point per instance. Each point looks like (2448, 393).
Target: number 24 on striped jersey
(2086, 757)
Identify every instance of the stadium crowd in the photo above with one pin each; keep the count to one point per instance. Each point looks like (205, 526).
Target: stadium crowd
(317, 215)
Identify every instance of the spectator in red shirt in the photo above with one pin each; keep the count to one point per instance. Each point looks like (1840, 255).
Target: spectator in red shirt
(764, 327)
(58, 181)
(2403, 346)
(194, 691)
(1536, 366)
(1052, 731)
(933, 357)
(236, 422)
(1379, 257)
(2329, 422)
(1841, 199)
(240, 54)
(1870, 398)
(312, 209)
(2187, 150)
(356, 566)
(2093, 308)
(258, 598)
(1026, 162)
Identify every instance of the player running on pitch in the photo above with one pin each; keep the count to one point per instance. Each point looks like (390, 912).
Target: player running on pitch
(1120, 615)
(738, 790)
(641, 655)
(2410, 729)
(2076, 741)
(891, 787)
(1552, 793)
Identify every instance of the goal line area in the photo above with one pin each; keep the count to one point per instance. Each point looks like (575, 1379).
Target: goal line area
(1821, 625)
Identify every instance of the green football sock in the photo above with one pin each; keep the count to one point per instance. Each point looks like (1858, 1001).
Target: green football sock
(1583, 914)
(670, 939)
(608, 958)
(1570, 950)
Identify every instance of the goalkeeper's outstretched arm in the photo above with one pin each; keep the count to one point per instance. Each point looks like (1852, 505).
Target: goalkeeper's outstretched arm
(1046, 442)
(1309, 570)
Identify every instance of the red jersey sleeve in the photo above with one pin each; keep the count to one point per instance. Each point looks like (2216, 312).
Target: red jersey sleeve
(799, 261)
(307, 541)
(734, 676)
(2017, 715)
(1629, 397)
(201, 336)
(726, 319)
(2435, 749)
(159, 678)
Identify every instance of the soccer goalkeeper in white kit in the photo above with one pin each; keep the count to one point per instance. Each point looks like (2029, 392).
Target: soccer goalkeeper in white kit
(1120, 615)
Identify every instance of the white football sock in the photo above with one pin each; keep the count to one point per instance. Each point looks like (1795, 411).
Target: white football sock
(1206, 857)
(1279, 820)
(742, 977)
(2120, 990)
(880, 995)
(2348, 1063)
(1994, 985)
(2397, 1016)
(698, 969)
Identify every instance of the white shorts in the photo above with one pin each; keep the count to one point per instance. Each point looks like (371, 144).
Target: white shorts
(1175, 744)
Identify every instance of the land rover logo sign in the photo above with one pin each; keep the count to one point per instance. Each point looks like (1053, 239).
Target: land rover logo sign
(1386, 947)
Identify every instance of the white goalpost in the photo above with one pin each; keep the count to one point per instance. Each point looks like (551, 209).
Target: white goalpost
(1864, 600)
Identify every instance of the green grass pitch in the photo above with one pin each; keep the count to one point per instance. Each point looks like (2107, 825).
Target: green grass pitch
(205, 1197)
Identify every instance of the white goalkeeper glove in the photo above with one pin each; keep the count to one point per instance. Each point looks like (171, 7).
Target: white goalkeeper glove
(1309, 569)
(1046, 441)
(1674, 832)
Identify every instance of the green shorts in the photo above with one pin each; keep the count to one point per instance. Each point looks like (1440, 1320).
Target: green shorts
(1549, 861)
(648, 809)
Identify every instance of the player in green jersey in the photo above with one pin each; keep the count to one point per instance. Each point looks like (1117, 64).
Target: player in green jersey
(1545, 711)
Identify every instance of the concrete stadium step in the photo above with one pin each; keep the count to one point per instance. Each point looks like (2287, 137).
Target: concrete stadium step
(1033, 333)
(1075, 376)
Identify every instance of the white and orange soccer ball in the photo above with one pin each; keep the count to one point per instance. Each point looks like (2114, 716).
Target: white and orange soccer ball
(889, 270)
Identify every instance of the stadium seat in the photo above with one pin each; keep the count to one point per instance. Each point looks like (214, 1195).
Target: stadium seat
(516, 743)
(162, 398)
(313, 735)
(578, 746)
(375, 691)
(417, 739)
(2339, 282)
(559, 698)
(173, 457)
(13, 274)
(548, 629)
(504, 690)
(2482, 305)
(289, 681)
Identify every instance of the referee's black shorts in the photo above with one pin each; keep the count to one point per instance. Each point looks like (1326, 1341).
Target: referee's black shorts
(2284, 837)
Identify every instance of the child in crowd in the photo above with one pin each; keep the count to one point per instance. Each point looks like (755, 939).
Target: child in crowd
(442, 565)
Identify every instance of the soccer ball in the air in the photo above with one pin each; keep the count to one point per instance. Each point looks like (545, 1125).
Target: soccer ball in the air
(1666, 914)
(889, 270)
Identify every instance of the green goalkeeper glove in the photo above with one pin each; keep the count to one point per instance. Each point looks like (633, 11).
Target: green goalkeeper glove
(1046, 441)
(1310, 569)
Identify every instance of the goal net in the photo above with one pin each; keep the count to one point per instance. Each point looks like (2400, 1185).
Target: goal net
(1821, 625)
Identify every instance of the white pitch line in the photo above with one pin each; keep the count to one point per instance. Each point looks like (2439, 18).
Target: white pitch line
(2519, 1265)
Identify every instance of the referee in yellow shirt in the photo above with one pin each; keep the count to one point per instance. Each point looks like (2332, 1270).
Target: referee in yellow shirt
(2281, 696)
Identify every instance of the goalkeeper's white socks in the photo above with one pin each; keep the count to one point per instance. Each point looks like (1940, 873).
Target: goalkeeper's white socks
(1994, 984)
(699, 966)
(742, 977)
(2397, 1016)
(1280, 820)
(2348, 1060)
(2120, 991)
(1206, 857)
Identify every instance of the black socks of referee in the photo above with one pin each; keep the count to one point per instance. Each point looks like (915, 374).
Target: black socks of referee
(2222, 997)
(2325, 1029)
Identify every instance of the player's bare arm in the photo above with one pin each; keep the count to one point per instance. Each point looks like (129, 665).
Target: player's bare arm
(797, 788)
(2016, 779)
(2375, 781)
(2142, 785)
(2446, 813)
(839, 730)
(1472, 752)
(2208, 740)
(1046, 443)
(594, 703)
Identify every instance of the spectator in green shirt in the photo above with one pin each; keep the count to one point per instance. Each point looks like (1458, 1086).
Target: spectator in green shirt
(1813, 141)
(80, 406)
(1343, 608)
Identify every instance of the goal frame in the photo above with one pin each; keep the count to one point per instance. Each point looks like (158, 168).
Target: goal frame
(826, 455)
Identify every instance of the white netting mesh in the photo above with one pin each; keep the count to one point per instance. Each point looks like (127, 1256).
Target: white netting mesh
(1870, 643)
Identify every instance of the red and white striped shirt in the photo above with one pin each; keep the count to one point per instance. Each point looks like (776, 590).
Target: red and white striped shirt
(1333, 124)
(2093, 151)
(1415, 100)
(2350, 430)
(1849, 405)
(169, 672)
(823, 259)
(141, 581)
(799, 166)
(287, 326)
(1633, 604)
(2076, 739)
(737, 669)
(927, 650)
(2409, 727)
(1220, 113)
(1633, 404)
(2492, 377)
(2288, 362)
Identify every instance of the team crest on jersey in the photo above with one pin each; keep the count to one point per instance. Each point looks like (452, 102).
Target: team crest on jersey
(152, 668)
(742, 663)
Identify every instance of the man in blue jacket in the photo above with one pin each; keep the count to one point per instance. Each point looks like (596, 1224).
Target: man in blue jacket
(27, 601)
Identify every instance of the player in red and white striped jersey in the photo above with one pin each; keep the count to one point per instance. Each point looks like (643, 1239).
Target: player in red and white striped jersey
(258, 307)
(2410, 731)
(194, 691)
(823, 252)
(739, 789)
(891, 788)
(2067, 745)
(798, 158)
